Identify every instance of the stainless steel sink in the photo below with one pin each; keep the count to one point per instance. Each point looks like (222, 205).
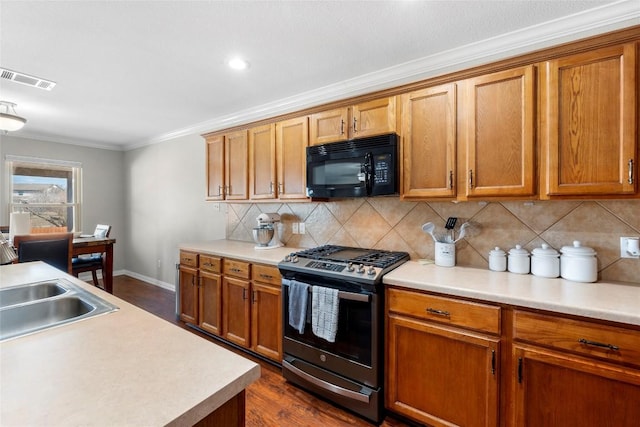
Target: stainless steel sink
(31, 292)
(37, 306)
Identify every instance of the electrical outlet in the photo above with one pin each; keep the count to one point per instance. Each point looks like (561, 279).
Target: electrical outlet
(216, 207)
(294, 228)
(302, 228)
(629, 250)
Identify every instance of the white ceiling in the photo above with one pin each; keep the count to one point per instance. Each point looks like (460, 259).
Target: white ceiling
(131, 73)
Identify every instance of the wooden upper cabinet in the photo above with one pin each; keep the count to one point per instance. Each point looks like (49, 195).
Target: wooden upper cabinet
(365, 119)
(429, 142)
(215, 167)
(292, 139)
(589, 123)
(498, 134)
(236, 174)
(262, 162)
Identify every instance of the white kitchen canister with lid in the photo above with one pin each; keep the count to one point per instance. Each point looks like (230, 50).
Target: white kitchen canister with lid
(578, 263)
(545, 262)
(497, 260)
(519, 260)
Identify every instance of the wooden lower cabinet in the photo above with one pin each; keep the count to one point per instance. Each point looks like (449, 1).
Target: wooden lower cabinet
(556, 389)
(188, 295)
(210, 302)
(441, 376)
(236, 310)
(266, 320)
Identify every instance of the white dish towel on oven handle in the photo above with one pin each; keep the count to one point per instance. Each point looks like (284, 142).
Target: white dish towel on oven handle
(324, 312)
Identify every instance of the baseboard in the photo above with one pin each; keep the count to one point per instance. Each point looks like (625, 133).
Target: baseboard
(146, 279)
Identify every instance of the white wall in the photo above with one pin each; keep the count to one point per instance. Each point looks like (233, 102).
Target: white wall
(166, 206)
(102, 180)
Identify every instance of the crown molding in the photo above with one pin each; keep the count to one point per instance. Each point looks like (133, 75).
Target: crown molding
(606, 18)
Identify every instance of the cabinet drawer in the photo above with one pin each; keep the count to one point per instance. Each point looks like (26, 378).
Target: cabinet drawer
(266, 274)
(237, 268)
(189, 259)
(584, 337)
(449, 311)
(210, 263)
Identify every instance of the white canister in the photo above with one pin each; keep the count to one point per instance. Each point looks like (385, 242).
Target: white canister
(445, 254)
(519, 260)
(578, 263)
(497, 260)
(545, 262)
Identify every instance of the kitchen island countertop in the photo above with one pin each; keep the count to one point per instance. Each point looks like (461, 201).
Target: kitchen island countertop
(127, 367)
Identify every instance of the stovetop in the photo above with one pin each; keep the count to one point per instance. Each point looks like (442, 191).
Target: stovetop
(343, 262)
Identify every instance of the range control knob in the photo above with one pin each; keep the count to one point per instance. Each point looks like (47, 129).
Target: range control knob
(350, 266)
(287, 258)
(294, 258)
(361, 269)
(371, 271)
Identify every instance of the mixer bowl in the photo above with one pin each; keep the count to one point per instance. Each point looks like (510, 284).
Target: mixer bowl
(263, 235)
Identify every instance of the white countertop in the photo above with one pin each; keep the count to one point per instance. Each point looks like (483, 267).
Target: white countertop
(127, 367)
(617, 302)
(240, 250)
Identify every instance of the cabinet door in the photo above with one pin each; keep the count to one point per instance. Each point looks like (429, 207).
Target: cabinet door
(236, 177)
(553, 389)
(292, 139)
(373, 118)
(441, 376)
(262, 162)
(329, 126)
(266, 321)
(215, 167)
(210, 307)
(498, 110)
(429, 142)
(189, 295)
(235, 310)
(589, 126)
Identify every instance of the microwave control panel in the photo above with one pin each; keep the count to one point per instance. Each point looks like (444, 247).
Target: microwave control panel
(382, 168)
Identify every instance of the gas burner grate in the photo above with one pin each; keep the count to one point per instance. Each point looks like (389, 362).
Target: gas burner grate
(369, 257)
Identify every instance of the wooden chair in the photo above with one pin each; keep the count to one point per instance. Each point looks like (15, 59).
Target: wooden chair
(53, 248)
(94, 262)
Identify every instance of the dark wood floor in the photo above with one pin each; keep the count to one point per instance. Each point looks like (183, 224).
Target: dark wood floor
(271, 401)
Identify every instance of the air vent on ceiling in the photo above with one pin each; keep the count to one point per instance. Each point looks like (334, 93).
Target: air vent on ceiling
(26, 79)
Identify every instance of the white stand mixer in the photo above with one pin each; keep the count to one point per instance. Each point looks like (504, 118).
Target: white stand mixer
(266, 233)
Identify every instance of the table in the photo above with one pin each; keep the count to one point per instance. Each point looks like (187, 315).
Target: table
(91, 245)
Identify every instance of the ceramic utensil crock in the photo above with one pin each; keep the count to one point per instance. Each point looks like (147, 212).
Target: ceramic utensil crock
(578, 263)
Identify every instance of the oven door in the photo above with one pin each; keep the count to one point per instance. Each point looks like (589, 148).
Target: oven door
(357, 350)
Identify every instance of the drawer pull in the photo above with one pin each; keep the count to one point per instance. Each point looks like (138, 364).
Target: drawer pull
(266, 276)
(599, 344)
(236, 270)
(438, 312)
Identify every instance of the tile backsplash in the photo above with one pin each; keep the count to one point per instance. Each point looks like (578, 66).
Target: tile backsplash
(388, 223)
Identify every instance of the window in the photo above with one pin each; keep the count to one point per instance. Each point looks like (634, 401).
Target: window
(47, 189)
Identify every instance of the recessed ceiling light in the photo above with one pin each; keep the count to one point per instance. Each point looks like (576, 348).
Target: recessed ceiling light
(238, 63)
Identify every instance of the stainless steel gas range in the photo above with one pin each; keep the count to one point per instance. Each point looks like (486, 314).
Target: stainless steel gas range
(349, 369)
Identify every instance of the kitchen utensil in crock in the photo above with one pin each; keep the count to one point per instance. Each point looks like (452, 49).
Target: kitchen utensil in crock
(463, 232)
(428, 228)
(450, 225)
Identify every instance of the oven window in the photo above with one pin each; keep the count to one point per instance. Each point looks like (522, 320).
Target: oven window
(354, 337)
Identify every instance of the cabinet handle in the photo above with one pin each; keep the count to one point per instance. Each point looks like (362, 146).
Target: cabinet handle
(266, 276)
(280, 187)
(193, 281)
(219, 190)
(255, 297)
(599, 344)
(630, 171)
(519, 370)
(271, 188)
(228, 189)
(450, 180)
(341, 127)
(355, 128)
(235, 270)
(493, 362)
(244, 293)
(438, 312)
(470, 178)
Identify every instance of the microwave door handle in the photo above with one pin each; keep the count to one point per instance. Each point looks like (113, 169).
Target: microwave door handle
(368, 172)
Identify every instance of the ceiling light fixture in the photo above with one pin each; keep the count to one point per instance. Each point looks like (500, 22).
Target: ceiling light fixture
(9, 120)
(238, 63)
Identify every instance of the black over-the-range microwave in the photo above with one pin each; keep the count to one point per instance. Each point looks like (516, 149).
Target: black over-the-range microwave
(357, 168)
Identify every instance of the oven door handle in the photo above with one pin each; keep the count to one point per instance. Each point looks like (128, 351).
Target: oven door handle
(326, 385)
(351, 296)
